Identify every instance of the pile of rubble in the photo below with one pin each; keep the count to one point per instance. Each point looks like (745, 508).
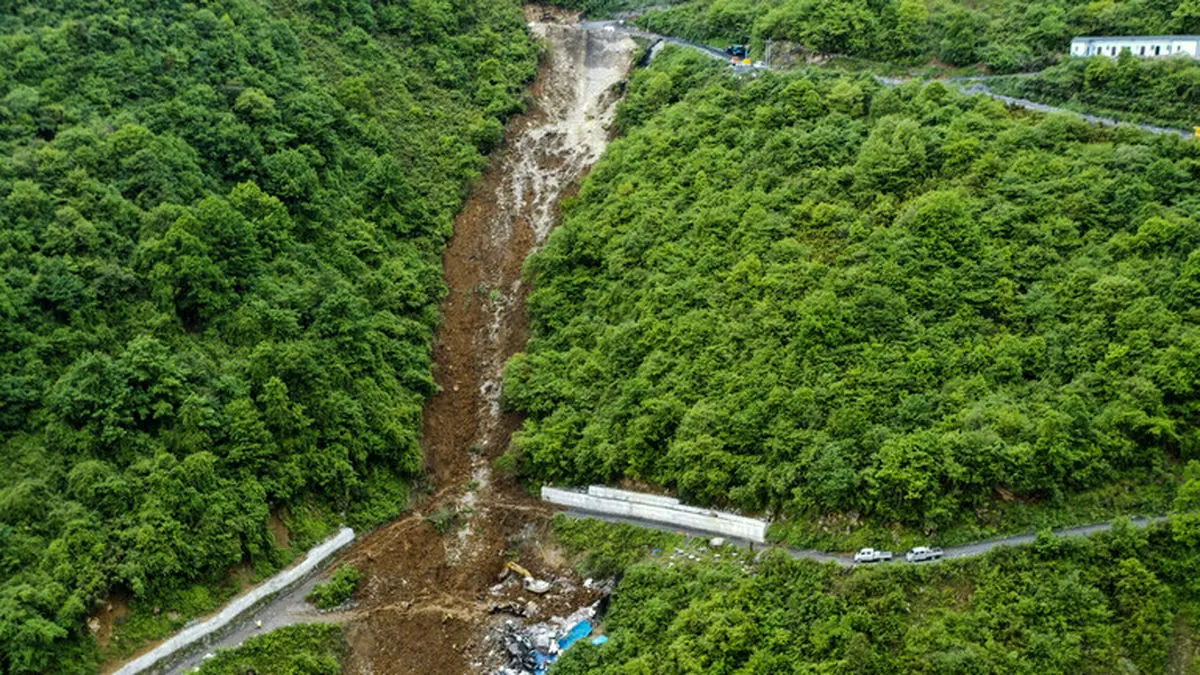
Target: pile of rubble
(531, 649)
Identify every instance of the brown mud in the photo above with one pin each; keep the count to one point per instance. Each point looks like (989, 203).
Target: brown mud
(429, 598)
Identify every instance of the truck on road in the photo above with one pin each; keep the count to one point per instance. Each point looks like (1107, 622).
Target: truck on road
(923, 553)
(870, 555)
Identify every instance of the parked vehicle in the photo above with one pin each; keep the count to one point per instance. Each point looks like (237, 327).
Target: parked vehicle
(870, 555)
(923, 553)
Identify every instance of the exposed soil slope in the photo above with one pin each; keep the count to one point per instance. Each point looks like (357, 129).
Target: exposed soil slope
(425, 605)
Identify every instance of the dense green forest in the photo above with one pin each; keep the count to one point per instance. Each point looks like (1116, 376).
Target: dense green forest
(1003, 35)
(1157, 91)
(1120, 602)
(305, 649)
(814, 297)
(222, 226)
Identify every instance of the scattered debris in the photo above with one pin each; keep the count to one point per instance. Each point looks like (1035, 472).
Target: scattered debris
(531, 649)
(514, 608)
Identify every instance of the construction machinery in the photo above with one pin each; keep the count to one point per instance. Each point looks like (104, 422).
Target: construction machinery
(531, 584)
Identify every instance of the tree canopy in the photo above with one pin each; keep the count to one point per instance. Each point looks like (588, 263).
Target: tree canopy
(812, 296)
(1003, 35)
(303, 649)
(1120, 602)
(1157, 91)
(221, 236)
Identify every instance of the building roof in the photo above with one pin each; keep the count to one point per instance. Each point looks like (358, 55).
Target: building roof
(1114, 38)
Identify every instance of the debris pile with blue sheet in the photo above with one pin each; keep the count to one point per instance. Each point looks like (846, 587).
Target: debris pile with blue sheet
(531, 649)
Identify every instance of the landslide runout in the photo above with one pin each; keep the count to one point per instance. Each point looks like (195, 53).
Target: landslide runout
(410, 571)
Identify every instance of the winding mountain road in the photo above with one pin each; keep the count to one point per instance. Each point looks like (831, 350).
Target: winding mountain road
(977, 86)
(968, 85)
(847, 559)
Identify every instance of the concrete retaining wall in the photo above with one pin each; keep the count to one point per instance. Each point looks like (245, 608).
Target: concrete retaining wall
(669, 502)
(162, 656)
(657, 509)
(639, 497)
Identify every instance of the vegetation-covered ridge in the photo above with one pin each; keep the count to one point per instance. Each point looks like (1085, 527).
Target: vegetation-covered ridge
(809, 295)
(1155, 91)
(221, 227)
(1003, 35)
(1124, 601)
(305, 649)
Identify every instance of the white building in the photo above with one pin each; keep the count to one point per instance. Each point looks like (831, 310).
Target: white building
(1141, 46)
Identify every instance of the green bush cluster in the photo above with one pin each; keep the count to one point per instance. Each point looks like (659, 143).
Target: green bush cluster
(221, 228)
(1157, 91)
(1110, 604)
(338, 589)
(304, 649)
(610, 547)
(607, 8)
(808, 295)
(1004, 35)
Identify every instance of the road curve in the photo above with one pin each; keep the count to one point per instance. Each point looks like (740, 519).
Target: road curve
(977, 87)
(968, 85)
(847, 560)
(620, 26)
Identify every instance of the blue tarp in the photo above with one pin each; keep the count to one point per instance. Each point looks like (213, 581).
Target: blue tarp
(599, 640)
(577, 633)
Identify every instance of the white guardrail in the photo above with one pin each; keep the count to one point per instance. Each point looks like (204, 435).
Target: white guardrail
(657, 509)
(175, 646)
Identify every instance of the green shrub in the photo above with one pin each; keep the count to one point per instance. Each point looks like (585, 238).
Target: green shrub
(443, 519)
(305, 649)
(610, 547)
(337, 590)
(1156, 91)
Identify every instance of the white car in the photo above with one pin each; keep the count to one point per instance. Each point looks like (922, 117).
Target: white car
(923, 553)
(870, 555)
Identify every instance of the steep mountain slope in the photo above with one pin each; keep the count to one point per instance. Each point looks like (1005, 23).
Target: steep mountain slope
(1158, 91)
(222, 228)
(837, 303)
(1121, 602)
(1003, 35)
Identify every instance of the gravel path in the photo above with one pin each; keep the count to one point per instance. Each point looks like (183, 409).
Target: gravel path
(847, 560)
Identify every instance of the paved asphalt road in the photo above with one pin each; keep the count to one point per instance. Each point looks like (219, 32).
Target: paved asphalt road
(967, 551)
(969, 85)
